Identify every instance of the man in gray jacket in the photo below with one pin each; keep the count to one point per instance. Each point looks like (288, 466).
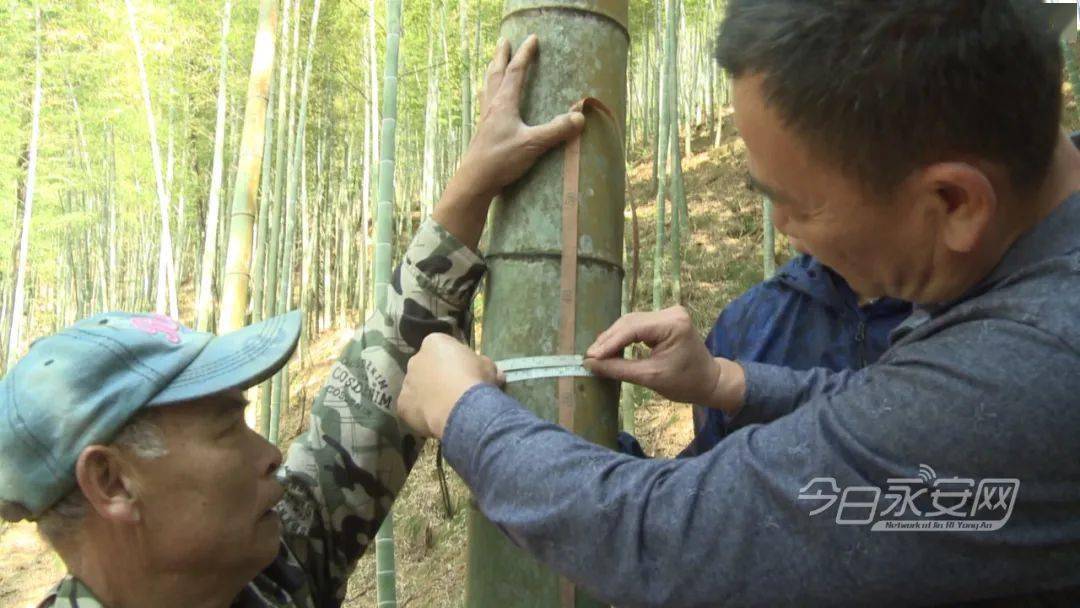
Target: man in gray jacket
(948, 471)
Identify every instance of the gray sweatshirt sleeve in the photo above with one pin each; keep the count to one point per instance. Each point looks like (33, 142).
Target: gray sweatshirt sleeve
(986, 399)
(773, 391)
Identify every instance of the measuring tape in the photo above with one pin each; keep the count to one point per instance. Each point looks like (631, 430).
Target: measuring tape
(537, 368)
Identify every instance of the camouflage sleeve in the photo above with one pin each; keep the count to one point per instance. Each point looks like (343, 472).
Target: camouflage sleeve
(342, 475)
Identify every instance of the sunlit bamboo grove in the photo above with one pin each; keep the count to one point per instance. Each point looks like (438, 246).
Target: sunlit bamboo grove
(224, 161)
(218, 161)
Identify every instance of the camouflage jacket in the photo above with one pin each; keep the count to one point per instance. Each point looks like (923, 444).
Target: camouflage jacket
(342, 475)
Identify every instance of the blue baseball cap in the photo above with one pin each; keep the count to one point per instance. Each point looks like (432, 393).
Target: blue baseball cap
(80, 386)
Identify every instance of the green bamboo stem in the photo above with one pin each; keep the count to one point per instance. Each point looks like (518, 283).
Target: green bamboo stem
(237, 275)
(386, 589)
(666, 137)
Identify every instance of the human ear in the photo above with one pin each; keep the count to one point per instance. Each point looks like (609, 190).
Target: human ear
(965, 202)
(105, 480)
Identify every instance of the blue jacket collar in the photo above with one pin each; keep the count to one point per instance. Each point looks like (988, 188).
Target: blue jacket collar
(805, 274)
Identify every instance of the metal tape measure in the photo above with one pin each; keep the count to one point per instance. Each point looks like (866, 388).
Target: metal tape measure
(537, 368)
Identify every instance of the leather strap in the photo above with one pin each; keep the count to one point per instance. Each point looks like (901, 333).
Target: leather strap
(568, 282)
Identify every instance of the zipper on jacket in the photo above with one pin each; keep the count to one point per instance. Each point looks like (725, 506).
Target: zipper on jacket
(860, 340)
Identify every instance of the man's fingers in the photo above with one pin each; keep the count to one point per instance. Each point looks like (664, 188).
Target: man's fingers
(558, 130)
(604, 335)
(498, 378)
(496, 374)
(495, 71)
(490, 369)
(633, 327)
(635, 371)
(604, 345)
(615, 328)
(615, 342)
(514, 77)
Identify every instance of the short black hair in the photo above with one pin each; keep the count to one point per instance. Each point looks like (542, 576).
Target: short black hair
(881, 87)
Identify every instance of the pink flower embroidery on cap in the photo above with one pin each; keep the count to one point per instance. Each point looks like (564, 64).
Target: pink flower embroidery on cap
(158, 324)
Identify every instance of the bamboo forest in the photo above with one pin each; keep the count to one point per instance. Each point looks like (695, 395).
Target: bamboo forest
(225, 161)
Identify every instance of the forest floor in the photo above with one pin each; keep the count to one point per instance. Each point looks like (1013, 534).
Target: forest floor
(721, 258)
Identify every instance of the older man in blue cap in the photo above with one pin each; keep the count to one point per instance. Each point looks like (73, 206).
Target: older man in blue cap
(123, 436)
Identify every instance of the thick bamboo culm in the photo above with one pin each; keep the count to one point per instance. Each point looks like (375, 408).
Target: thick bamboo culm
(583, 53)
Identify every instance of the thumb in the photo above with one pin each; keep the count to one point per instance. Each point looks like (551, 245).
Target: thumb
(559, 129)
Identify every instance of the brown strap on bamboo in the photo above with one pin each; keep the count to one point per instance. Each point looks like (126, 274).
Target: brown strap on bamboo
(568, 281)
